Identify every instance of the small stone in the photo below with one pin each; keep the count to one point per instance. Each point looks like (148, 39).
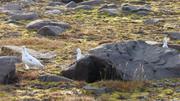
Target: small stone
(54, 11)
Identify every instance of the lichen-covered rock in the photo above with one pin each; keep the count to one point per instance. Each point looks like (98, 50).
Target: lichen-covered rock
(133, 60)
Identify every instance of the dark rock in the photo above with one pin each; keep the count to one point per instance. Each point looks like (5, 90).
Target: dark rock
(91, 2)
(67, 1)
(142, 10)
(51, 30)
(174, 35)
(37, 24)
(8, 69)
(92, 71)
(133, 60)
(24, 16)
(53, 78)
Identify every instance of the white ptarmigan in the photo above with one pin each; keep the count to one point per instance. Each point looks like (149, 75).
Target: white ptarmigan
(165, 42)
(30, 61)
(79, 55)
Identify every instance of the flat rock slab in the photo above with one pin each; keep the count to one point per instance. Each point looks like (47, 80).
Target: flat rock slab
(132, 60)
(53, 78)
(8, 69)
(83, 7)
(37, 24)
(16, 50)
(141, 10)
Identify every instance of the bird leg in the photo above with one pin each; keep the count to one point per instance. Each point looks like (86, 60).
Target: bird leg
(27, 67)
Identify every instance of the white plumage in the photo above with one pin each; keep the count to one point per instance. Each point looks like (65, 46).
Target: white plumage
(165, 42)
(30, 61)
(79, 55)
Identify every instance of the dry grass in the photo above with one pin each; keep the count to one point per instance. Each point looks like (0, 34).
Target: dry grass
(33, 41)
(121, 85)
(78, 98)
(27, 75)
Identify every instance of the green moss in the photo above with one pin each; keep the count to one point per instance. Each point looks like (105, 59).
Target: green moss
(168, 91)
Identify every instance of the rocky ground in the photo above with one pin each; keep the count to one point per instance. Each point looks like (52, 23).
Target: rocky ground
(53, 29)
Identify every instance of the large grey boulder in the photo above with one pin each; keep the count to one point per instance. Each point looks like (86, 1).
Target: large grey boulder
(37, 24)
(133, 60)
(8, 69)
